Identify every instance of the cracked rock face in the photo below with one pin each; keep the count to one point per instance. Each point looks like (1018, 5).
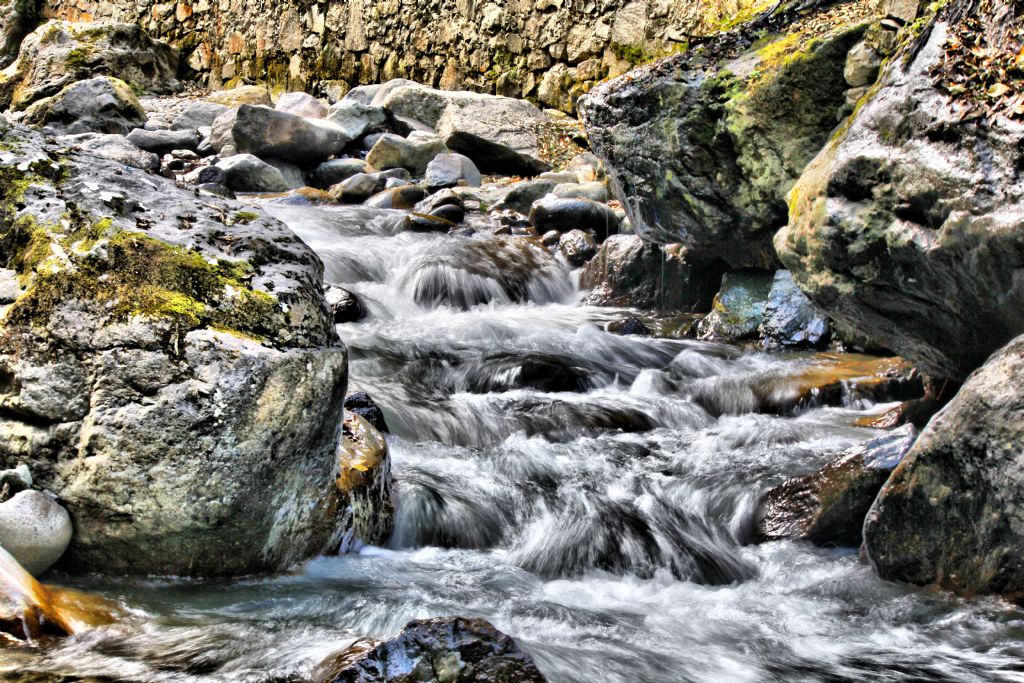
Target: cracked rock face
(168, 367)
(906, 228)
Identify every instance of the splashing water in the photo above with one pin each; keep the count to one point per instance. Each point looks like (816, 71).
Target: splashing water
(592, 495)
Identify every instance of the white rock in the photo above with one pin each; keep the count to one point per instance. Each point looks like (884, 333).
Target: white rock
(35, 529)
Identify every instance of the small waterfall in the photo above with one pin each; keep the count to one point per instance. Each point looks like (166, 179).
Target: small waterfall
(44, 608)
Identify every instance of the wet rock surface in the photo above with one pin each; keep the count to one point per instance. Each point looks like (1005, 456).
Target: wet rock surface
(453, 649)
(950, 514)
(829, 506)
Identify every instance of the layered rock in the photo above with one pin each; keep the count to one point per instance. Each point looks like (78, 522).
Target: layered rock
(703, 147)
(951, 514)
(58, 54)
(444, 649)
(906, 228)
(168, 367)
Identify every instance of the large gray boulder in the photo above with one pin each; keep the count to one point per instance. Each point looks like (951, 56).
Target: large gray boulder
(702, 148)
(164, 141)
(907, 227)
(267, 133)
(171, 372)
(357, 119)
(393, 151)
(952, 513)
(442, 649)
(302, 104)
(98, 105)
(247, 173)
(59, 53)
(198, 115)
(499, 134)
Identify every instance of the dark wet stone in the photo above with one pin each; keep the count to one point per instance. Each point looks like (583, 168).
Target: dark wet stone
(829, 506)
(363, 405)
(627, 326)
(345, 306)
(451, 649)
(420, 222)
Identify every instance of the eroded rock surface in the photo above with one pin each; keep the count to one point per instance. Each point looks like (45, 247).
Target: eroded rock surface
(169, 368)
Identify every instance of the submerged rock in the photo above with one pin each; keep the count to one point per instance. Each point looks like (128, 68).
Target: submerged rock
(702, 147)
(453, 649)
(60, 53)
(171, 372)
(907, 229)
(829, 506)
(951, 514)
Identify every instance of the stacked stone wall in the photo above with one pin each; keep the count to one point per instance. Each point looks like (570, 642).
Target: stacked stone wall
(550, 51)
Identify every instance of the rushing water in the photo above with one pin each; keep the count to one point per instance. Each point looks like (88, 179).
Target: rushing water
(592, 495)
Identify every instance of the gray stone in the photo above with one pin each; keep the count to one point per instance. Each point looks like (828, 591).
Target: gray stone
(594, 191)
(207, 174)
(739, 306)
(790, 319)
(555, 213)
(247, 173)
(35, 530)
(631, 273)
(164, 141)
(862, 65)
(452, 170)
(952, 514)
(268, 133)
(98, 105)
(334, 171)
(392, 151)
(118, 148)
(577, 247)
(198, 115)
(522, 196)
(357, 119)
(294, 176)
(302, 104)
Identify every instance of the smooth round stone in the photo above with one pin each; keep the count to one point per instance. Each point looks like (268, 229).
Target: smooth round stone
(35, 529)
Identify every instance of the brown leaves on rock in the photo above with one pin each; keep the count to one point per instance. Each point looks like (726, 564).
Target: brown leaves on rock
(983, 69)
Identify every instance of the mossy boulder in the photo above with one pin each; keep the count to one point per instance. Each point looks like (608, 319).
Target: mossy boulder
(97, 105)
(168, 367)
(59, 53)
(907, 227)
(702, 147)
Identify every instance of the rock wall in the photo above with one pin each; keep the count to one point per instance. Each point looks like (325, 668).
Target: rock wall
(547, 50)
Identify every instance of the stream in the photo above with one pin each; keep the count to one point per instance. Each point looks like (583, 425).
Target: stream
(592, 495)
